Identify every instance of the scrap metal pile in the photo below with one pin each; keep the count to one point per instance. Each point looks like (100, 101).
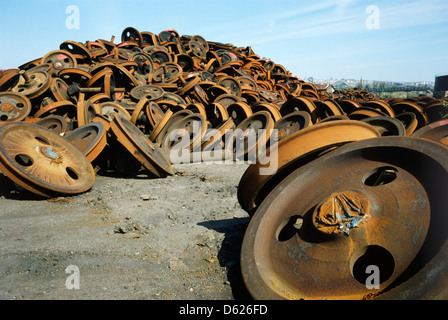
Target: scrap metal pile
(341, 183)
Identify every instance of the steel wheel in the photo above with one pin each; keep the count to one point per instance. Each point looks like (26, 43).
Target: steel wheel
(167, 72)
(140, 146)
(154, 113)
(213, 137)
(216, 113)
(273, 109)
(186, 133)
(90, 139)
(14, 107)
(71, 75)
(294, 151)
(150, 92)
(170, 119)
(291, 123)
(365, 112)
(86, 111)
(409, 121)
(239, 111)
(65, 109)
(42, 162)
(380, 105)
(59, 60)
(54, 123)
(386, 125)
(436, 131)
(109, 108)
(161, 125)
(406, 106)
(32, 84)
(299, 245)
(260, 126)
(300, 104)
(8, 79)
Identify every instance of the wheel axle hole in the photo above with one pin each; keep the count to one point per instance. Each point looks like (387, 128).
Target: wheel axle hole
(289, 228)
(87, 134)
(380, 258)
(381, 176)
(42, 140)
(72, 173)
(23, 160)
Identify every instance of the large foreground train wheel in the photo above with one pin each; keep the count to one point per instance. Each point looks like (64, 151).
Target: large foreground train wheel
(367, 220)
(43, 162)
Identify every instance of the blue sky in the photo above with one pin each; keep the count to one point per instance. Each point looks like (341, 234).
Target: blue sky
(320, 39)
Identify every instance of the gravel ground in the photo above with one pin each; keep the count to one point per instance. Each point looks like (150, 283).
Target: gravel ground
(175, 238)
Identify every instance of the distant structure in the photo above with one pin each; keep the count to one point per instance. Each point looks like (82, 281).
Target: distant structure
(441, 86)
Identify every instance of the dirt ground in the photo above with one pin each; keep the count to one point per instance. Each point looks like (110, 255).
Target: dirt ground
(174, 238)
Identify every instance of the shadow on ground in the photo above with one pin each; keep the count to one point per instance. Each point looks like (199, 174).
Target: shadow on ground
(229, 254)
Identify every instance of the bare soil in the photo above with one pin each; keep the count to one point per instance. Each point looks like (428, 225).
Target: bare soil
(133, 238)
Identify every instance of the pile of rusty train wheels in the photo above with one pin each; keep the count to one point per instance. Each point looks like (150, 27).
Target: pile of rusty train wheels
(350, 209)
(336, 182)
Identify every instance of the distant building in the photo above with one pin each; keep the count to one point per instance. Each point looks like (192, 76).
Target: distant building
(441, 86)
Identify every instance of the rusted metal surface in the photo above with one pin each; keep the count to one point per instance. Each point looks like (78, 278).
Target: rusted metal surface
(293, 151)
(325, 186)
(43, 162)
(318, 230)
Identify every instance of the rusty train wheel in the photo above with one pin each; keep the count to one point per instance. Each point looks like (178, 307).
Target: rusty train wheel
(252, 135)
(294, 151)
(8, 79)
(54, 123)
(381, 106)
(186, 133)
(107, 109)
(435, 131)
(86, 111)
(90, 139)
(290, 123)
(154, 113)
(14, 107)
(273, 109)
(150, 92)
(32, 84)
(59, 60)
(409, 120)
(213, 137)
(239, 111)
(366, 112)
(140, 146)
(386, 125)
(170, 122)
(216, 113)
(407, 106)
(42, 162)
(161, 125)
(65, 109)
(317, 233)
(300, 104)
